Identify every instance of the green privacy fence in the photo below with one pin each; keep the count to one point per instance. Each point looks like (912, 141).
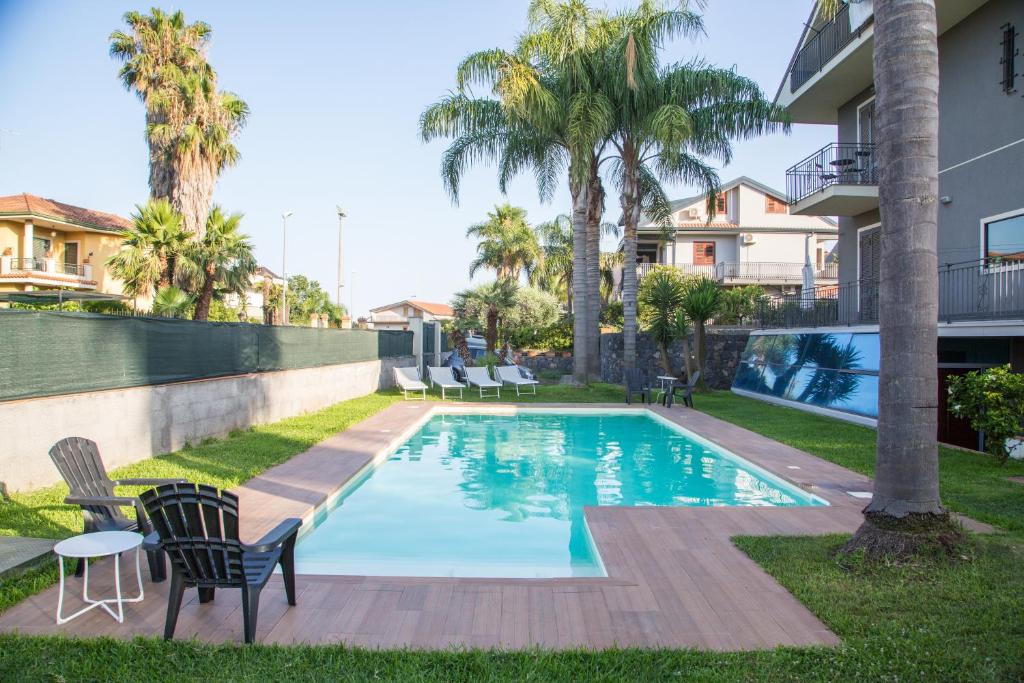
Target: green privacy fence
(44, 353)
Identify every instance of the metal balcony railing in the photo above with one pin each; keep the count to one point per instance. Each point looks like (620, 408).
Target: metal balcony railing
(40, 265)
(985, 289)
(840, 163)
(822, 47)
(750, 271)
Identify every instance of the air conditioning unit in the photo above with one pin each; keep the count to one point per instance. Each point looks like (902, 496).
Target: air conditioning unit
(748, 238)
(693, 212)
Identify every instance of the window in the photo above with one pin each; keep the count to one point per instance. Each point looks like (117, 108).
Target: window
(1004, 239)
(704, 253)
(71, 253)
(722, 203)
(1008, 61)
(773, 205)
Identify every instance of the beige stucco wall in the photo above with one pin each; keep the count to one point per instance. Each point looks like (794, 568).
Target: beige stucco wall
(140, 422)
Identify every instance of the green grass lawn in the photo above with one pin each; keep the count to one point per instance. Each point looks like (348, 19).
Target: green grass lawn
(971, 483)
(942, 621)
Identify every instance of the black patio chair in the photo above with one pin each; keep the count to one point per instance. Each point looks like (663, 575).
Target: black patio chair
(636, 383)
(79, 462)
(685, 389)
(197, 526)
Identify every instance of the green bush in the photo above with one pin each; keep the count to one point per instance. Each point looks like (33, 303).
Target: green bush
(739, 304)
(556, 337)
(993, 401)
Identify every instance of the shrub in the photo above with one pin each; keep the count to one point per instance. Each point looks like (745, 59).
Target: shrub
(993, 401)
(739, 304)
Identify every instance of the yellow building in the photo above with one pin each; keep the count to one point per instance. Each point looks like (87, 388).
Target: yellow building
(46, 244)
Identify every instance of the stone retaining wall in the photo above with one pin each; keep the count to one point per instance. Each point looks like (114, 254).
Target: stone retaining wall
(724, 347)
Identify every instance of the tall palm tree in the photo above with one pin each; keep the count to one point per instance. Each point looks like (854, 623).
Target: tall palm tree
(507, 244)
(668, 121)
(189, 122)
(224, 257)
(156, 50)
(544, 117)
(555, 273)
(152, 249)
(906, 507)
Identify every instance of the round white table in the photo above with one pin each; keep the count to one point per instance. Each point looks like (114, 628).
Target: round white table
(99, 544)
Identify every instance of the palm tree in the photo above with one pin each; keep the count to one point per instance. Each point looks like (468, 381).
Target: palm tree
(661, 298)
(156, 50)
(152, 249)
(555, 273)
(702, 300)
(189, 122)
(544, 117)
(507, 244)
(668, 120)
(487, 303)
(906, 508)
(224, 257)
(172, 302)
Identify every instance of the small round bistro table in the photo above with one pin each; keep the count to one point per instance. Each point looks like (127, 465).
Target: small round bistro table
(99, 544)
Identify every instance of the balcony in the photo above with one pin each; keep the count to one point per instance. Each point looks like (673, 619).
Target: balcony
(750, 272)
(840, 179)
(821, 48)
(45, 272)
(971, 291)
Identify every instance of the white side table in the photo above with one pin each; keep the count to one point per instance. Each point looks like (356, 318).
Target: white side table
(99, 544)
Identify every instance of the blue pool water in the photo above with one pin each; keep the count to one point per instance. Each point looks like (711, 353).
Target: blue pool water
(503, 495)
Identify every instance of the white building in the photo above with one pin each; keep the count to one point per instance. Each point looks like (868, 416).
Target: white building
(396, 316)
(753, 239)
(254, 295)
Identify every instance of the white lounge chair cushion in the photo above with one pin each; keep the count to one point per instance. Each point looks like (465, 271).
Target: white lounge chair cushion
(409, 379)
(510, 374)
(480, 378)
(444, 377)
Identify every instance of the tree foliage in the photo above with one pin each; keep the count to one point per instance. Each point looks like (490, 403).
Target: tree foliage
(485, 307)
(506, 244)
(993, 401)
(740, 304)
(190, 123)
(306, 297)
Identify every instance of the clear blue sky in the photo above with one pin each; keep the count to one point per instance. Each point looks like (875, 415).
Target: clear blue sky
(335, 90)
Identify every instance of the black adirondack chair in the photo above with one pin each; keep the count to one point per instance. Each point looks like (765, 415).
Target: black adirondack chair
(197, 526)
(79, 463)
(636, 383)
(685, 389)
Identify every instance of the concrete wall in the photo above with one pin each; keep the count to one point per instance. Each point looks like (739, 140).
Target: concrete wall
(137, 423)
(725, 345)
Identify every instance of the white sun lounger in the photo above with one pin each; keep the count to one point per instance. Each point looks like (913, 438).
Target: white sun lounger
(479, 378)
(408, 379)
(444, 378)
(509, 374)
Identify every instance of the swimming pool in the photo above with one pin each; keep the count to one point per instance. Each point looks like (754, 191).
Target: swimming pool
(502, 495)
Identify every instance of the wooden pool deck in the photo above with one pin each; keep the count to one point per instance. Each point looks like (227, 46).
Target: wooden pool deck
(674, 577)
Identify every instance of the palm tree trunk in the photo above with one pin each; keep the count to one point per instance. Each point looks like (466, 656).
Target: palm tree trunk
(699, 352)
(192, 193)
(492, 329)
(579, 279)
(906, 491)
(205, 296)
(166, 272)
(630, 201)
(595, 207)
(462, 347)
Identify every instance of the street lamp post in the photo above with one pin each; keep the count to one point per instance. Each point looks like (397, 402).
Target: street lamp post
(341, 217)
(284, 265)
